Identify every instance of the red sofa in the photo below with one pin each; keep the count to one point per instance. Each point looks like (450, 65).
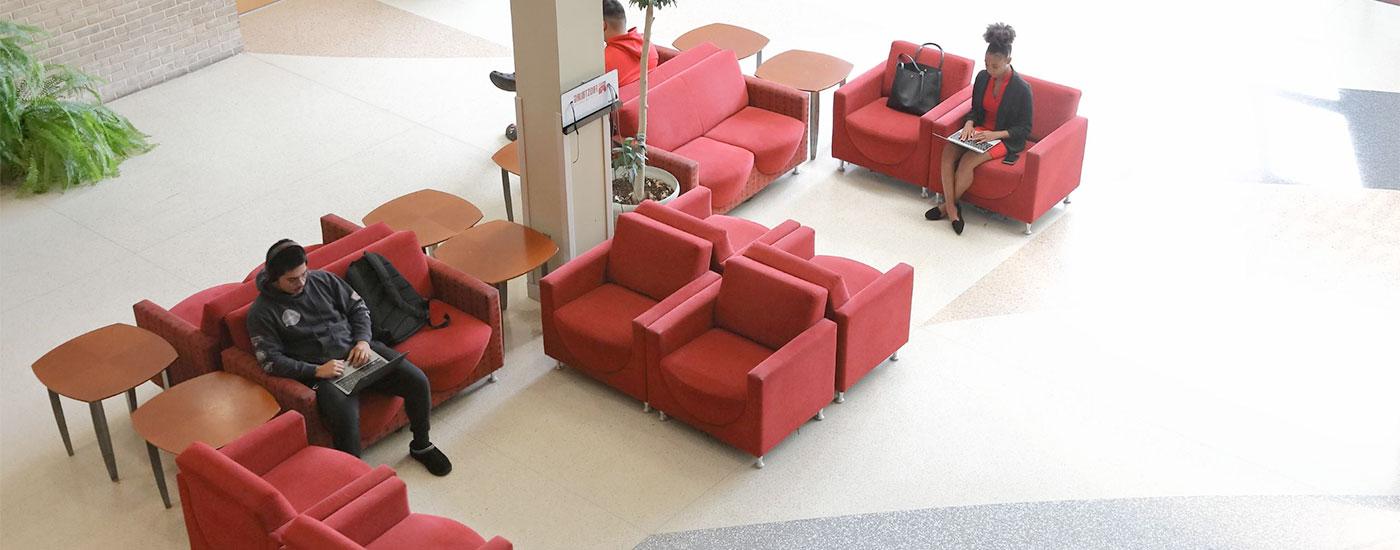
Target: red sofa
(748, 359)
(871, 309)
(453, 357)
(380, 518)
(866, 132)
(728, 235)
(1047, 171)
(594, 307)
(242, 497)
(710, 125)
(195, 328)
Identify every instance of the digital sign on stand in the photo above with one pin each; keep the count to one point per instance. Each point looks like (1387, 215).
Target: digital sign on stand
(589, 101)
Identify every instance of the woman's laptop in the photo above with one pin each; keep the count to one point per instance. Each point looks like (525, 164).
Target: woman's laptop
(354, 378)
(978, 147)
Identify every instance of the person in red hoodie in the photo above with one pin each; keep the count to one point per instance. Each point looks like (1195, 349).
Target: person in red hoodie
(622, 51)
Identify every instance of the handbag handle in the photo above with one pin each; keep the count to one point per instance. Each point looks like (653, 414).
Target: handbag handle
(915, 59)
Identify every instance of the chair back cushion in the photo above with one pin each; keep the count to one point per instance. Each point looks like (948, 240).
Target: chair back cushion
(697, 202)
(668, 68)
(719, 239)
(957, 70)
(766, 305)
(321, 255)
(690, 103)
(654, 259)
(1053, 105)
(837, 292)
(233, 507)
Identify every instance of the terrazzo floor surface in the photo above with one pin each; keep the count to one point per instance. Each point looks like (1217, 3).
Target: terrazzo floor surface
(1198, 323)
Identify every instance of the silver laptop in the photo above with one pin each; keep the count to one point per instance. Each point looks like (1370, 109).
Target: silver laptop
(354, 378)
(969, 144)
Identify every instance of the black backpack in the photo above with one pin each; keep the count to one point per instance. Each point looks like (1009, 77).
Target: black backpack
(396, 311)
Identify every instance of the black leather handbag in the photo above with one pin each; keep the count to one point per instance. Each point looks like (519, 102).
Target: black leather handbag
(916, 87)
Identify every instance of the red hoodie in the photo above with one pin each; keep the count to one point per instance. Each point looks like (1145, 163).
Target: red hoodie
(624, 53)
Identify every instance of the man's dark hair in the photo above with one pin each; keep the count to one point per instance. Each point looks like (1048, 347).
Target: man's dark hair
(999, 37)
(614, 14)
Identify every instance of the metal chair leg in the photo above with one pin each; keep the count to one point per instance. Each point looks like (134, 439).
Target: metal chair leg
(758, 463)
(663, 416)
(558, 365)
(821, 415)
(491, 379)
(923, 193)
(894, 357)
(646, 407)
(842, 167)
(1027, 231)
(840, 397)
(1066, 200)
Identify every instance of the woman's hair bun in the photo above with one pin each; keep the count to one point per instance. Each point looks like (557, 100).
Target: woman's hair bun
(999, 34)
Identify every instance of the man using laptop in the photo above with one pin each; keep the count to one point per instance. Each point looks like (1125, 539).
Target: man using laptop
(310, 325)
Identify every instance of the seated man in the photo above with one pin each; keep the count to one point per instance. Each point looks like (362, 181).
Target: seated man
(307, 324)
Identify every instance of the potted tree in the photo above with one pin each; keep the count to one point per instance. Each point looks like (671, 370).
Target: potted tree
(54, 129)
(629, 158)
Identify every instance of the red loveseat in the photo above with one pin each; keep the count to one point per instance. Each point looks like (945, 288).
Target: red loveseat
(871, 309)
(729, 235)
(711, 125)
(866, 132)
(453, 357)
(241, 497)
(593, 308)
(748, 359)
(1047, 171)
(380, 518)
(670, 63)
(195, 328)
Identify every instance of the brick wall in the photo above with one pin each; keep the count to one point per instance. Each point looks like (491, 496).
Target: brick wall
(132, 44)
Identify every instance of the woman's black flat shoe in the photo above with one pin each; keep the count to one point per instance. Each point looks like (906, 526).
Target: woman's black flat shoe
(958, 226)
(934, 213)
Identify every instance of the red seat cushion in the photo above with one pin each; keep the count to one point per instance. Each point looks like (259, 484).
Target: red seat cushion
(771, 137)
(709, 375)
(192, 309)
(314, 473)
(428, 532)
(883, 134)
(597, 327)
(741, 232)
(724, 168)
(856, 275)
(994, 180)
(448, 355)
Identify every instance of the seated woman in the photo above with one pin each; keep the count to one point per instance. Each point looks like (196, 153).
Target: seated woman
(1001, 109)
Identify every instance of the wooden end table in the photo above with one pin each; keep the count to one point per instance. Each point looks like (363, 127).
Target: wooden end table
(810, 72)
(498, 251)
(432, 215)
(508, 158)
(100, 364)
(215, 408)
(742, 41)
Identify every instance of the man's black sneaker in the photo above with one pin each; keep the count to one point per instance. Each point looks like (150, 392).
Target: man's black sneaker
(433, 459)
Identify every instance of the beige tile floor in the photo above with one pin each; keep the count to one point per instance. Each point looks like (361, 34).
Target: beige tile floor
(1177, 331)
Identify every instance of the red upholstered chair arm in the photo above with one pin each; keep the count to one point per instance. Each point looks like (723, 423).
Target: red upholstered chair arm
(347, 494)
(496, 543)
(197, 352)
(270, 444)
(960, 104)
(1054, 164)
(781, 99)
(334, 227)
(686, 322)
(235, 483)
(576, 277)
(685, 170)
(801, 242)
(305, 533)
(664, 54)
(290, 394)
(697, 202)
(369, 516)
(466, 293)
(877, 317)
(858, 93)
(804, 367)
(676, 298)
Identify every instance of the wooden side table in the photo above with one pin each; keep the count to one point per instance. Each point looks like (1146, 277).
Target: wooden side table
(215, 408)
(742, 41)
(498, 251)
(508, 158)
(100, 364)
(432, 215)
(810, 72)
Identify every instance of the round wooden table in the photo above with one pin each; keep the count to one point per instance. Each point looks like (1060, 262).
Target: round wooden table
(432, 215)
(215, 408)
(742, 41)
(810, 72)
(498, 251)
(100, 364)
(508, 158)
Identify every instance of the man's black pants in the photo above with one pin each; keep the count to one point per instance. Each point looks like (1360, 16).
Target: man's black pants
(341, 413)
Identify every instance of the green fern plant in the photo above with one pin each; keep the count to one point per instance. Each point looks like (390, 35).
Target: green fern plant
(54, 130)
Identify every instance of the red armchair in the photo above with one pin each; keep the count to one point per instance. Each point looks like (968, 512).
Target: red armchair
(1047, 171)
(871, 309)
(866, 132)
(194, 327)
(242, 496)
(748, 359)
(380, 518)
(453, 357)
(711, 125)
(594, 307)
(729, 235)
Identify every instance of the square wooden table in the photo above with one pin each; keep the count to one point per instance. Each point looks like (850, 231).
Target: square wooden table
(810, 72)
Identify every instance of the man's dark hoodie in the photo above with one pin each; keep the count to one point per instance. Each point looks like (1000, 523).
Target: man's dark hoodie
(293, 335)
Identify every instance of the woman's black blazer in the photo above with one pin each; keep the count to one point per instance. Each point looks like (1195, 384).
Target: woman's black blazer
(1014, 115)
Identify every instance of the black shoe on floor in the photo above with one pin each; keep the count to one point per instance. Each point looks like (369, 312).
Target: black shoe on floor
(958, 226)
(504, 81)
(511, 133)
(432, 459)
(934, 213)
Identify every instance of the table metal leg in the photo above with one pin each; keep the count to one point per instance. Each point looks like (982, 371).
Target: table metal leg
(812, 124)
(505, 188)
(131, 400)
(62, 423)
(104, 437)
(501, 288)
(165, 378)
(160, 473)
(759, 60)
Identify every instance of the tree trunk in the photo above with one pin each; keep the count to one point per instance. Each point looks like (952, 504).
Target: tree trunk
(639, 178)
